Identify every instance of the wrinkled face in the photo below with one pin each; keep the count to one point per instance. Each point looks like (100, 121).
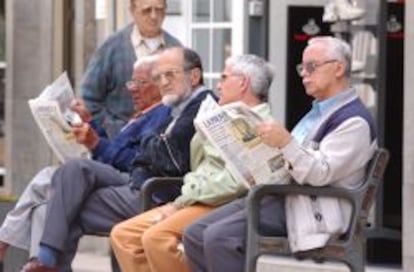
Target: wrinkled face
(148, 15)
(230, 86)
(174, 82)
(318, 72)
(144, 92)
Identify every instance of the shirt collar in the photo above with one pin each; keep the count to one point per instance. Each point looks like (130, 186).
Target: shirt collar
(326, 105)
(176, 111)
(138, 40)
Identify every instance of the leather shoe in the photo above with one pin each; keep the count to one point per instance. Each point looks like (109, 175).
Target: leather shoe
(34, 265)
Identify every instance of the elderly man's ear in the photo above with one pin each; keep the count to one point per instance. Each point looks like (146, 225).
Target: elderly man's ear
(195, 76)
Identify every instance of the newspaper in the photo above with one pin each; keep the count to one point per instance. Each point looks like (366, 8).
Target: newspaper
(230, 129)
(54, 118)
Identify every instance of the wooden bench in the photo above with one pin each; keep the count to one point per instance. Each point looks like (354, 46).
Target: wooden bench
(348, 248)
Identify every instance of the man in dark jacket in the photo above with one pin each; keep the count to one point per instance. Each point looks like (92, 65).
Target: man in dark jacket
(90, 196)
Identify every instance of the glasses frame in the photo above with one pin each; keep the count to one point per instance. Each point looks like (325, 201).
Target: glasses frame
(311, 67)
(224, 77)
(170, 75)
(136, 83)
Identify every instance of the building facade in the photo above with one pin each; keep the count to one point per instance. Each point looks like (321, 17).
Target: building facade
(46, 37)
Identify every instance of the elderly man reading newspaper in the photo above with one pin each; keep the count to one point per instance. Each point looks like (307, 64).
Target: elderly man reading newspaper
(331, 145)
(148, 242)
(18, 228)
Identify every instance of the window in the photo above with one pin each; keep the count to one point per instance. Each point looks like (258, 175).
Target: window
(216, 32)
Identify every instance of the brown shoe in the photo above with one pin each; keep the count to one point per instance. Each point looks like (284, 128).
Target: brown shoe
(34, 265)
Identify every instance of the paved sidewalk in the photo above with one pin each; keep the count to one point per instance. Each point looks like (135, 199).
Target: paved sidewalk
(90, 262)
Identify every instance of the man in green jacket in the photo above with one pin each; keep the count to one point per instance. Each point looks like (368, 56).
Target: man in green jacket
(149, 241)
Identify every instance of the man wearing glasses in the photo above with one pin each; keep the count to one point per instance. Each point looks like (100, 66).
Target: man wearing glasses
(103, 85)
(89, 196)
(331, 145)
(148, 242)
(18, 229)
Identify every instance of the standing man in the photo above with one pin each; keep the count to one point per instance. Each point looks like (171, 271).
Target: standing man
(103, 87)
(90, 196)
(331, 145)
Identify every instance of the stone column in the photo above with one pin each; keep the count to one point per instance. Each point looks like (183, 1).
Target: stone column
(29, 27)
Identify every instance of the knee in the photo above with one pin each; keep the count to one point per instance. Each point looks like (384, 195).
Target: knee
(213, 237)
(150, 239)
(117, 235)
(192, 236)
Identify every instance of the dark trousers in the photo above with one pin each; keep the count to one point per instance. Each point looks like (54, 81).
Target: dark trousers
(217, 241)
(87, 196)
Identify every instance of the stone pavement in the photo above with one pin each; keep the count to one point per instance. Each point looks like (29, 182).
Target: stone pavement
(98, 262)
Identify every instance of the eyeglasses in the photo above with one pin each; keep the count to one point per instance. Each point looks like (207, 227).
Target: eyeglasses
(224, 77)
(311, 67)
(170, 75)
(136, 83)
(149, 10)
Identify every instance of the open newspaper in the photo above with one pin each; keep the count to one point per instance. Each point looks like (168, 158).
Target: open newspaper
(54, 118)
(230, 129)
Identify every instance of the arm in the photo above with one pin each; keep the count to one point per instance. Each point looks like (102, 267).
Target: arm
(209, 182)
(126, 145)
(94, 85)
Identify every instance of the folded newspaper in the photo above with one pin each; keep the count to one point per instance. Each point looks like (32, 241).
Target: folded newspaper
(54, 118)
(231, 129)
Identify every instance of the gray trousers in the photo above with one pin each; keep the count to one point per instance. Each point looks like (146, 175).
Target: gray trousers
(88, 196)
(23, 225)
(217, 241)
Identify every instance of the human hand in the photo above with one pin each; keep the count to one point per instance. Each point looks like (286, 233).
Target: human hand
(273, 134)
(78, 106)
(84, 134)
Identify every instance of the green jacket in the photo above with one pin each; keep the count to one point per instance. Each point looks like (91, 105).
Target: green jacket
(209, 182)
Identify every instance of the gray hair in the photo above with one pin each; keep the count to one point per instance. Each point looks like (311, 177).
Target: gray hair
(336, 49)
(257, 69)
(145, 62)
(134, 1)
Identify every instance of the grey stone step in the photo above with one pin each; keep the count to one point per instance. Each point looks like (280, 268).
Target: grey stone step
(268, 263)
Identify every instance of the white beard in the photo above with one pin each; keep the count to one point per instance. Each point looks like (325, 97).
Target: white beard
(171, 99)
(175, 99)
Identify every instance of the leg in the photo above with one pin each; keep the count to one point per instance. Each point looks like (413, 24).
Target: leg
(193, 237)
(102, 210)
(225, 241)
(73, 183)
(223, 235)
(164, 238)
(15, 229)
(127, 244)
(37, 225)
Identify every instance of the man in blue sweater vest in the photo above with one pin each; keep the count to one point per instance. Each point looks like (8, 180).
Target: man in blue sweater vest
(331, 145)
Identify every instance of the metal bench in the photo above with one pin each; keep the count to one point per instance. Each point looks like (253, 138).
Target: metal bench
(348, 248)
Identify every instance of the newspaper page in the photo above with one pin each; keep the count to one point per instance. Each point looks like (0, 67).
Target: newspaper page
(54, 118)
(230, 129)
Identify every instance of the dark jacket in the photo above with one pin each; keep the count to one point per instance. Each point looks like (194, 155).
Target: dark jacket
(168, 155)
(121, 150)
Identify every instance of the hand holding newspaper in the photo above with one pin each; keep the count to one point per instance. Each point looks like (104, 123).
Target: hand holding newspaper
(230, 128)
(54, 118)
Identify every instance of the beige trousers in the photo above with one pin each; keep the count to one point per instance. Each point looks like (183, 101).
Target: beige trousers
(140, 245)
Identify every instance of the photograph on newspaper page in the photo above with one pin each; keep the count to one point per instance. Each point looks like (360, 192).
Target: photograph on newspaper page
(53, 116)
(231, 129)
